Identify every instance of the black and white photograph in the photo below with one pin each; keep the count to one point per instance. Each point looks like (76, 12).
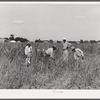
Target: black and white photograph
(50, 46)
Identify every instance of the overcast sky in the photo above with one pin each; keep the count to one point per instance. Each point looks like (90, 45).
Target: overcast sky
(50, 21)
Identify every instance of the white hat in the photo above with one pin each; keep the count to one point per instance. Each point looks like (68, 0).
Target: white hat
(64, 38)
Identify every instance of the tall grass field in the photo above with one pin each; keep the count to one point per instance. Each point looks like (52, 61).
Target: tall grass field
(45, 73)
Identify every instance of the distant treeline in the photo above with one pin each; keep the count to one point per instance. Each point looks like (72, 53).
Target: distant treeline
(21, 39)
(17, 39)
(91, 41)
(81, 41)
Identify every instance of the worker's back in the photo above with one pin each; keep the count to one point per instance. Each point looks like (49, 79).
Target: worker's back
(49, 51)
(28, 49)
(79, 52)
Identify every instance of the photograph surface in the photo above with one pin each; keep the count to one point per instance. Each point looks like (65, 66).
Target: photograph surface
(49, 46)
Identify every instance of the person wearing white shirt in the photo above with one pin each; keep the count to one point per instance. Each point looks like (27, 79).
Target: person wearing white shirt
(66, 45)
(78, 54)
(50, 51)
(28, 51)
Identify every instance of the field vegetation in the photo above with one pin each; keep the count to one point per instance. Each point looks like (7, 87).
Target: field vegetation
(45, 73)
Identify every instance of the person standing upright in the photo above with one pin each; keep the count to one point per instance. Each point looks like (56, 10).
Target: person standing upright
(28, 52)
(66, 45)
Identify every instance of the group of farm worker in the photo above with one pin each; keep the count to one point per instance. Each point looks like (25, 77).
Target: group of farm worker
(78, 53)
